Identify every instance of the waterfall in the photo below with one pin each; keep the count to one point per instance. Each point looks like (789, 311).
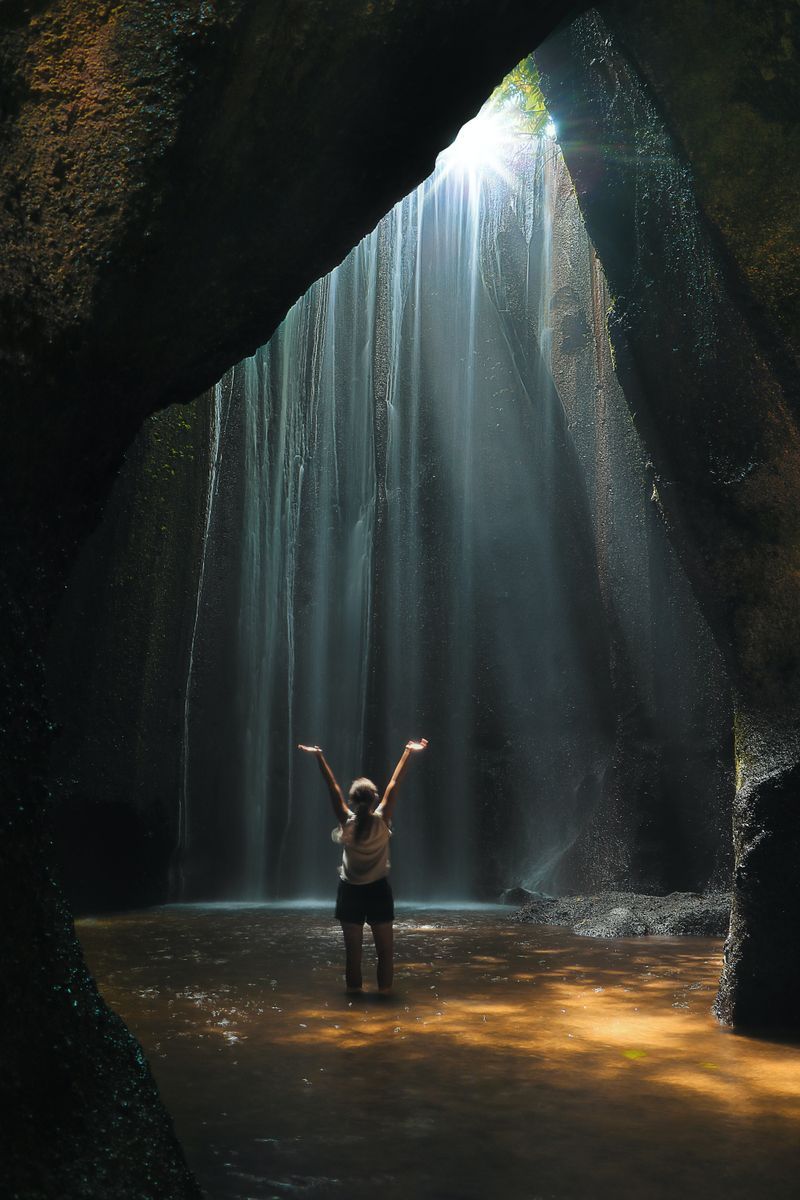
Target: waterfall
(422, 510)
(417, 550)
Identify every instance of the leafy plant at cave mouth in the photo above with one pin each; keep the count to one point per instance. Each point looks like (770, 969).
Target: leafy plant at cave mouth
(520, 95)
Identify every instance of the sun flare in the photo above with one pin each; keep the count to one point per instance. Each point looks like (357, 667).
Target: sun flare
(484, 145)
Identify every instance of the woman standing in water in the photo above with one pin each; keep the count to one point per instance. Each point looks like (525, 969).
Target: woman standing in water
(364, 890)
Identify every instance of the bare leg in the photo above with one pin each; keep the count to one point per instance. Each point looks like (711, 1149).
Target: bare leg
(353, 941)
(384, 945)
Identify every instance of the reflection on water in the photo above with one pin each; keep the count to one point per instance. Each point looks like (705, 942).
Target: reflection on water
(513, 1061)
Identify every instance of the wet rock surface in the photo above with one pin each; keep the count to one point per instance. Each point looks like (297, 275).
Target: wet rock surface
(734, 108)
(706, 356)
(520, 895)
(760, 985)
(626, 914)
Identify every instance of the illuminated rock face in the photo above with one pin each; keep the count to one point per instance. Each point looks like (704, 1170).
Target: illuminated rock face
(705, 362)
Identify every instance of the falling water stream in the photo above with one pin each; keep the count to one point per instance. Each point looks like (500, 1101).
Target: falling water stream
(429, 542)
(417, 547)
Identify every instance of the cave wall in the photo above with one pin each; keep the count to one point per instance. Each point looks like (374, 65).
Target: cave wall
(117, 664)
(663, 820)
(706, 367)
(731, 106)
(82, 1114)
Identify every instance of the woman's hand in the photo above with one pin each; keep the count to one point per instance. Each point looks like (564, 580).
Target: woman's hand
(335, 792)
(386, 806)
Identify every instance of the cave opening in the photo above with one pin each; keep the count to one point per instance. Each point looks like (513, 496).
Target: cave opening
(421, 507)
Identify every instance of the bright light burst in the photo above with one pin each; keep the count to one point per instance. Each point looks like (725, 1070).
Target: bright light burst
(483, 145)
(490, 142)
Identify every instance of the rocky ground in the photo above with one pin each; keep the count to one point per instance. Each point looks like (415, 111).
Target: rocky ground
(626, 914)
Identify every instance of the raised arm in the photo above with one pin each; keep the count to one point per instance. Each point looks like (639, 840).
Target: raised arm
(340, 809)
(386, 807)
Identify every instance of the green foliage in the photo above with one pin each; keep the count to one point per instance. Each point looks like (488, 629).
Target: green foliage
(520, 93)
(171, 437)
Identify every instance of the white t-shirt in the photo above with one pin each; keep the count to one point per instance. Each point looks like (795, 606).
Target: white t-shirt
(365, 860)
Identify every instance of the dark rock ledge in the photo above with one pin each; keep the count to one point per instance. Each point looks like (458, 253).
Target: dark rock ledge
(626, 914)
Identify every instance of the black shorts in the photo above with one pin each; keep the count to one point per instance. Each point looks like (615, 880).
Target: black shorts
(360, 902)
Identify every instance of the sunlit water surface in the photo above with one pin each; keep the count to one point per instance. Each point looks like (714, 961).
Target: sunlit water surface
(513, 1061)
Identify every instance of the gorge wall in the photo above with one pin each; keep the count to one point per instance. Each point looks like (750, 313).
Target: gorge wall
(131, 127)
(710, 375)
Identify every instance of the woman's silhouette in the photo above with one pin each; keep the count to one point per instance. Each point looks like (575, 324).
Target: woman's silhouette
(365, 894)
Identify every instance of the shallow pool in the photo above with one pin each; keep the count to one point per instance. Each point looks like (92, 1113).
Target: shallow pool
(513, 1061)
